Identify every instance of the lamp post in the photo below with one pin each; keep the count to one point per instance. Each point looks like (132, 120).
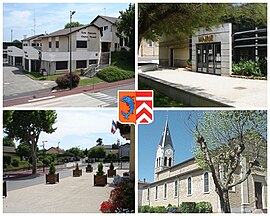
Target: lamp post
(70, 45)
(43, 145)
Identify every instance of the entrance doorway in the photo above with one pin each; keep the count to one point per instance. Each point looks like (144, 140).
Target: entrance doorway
(258, 195)
(209, 58)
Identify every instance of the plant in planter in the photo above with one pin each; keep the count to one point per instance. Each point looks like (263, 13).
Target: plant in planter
(77, 172)
(52, 177)
(111, 172)
(100, 179)
(89, 168)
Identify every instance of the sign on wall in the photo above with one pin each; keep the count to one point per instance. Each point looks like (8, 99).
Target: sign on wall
(206, 38)
(84, 34)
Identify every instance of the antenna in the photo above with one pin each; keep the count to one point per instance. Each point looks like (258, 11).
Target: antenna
(104, 11)
(11, 35)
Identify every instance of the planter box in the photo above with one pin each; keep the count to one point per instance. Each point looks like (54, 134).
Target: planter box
(77, 173)
(52, 178)
(89, 168)
(4, 188)
(100, 180)
(111, 173)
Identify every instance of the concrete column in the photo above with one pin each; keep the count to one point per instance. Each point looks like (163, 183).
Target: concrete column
(30, 69)
(13, 60)
(245, 205)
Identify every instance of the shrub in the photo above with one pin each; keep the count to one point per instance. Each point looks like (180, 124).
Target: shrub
(144, 209)
(52, 169)
(15, 162)
(113, 74)
(122, 199)
(100, 169)
(46, 161)
(204, 207)
(188, 207)
(262, 62)
(160, 209)
(63, 82)
(7, 160)
(172, 209)
(111, 166)
(247, 68)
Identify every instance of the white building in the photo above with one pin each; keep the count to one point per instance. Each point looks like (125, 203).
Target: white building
(14, 56)
(85, 48)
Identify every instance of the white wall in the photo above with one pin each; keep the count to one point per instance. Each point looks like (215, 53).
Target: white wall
(14, 51)
(31, 52)
(64, 56)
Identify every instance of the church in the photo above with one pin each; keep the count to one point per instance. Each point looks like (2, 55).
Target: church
(175, 183)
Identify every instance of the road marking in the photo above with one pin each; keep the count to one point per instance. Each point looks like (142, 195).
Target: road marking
(39, 99)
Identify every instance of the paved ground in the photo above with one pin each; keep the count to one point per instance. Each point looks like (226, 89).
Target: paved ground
(16, 83)
(105, 98)
(70, 195)
(236, 92)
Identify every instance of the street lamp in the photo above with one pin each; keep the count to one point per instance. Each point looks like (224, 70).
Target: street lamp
(70, 45)
(43, 145)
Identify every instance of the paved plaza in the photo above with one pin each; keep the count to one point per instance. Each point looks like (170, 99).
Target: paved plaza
(231, 91)
(70, 195)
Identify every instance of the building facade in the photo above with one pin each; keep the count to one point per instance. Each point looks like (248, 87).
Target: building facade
(148, 51)
(187, 182)
(213, 50)
(85, 49)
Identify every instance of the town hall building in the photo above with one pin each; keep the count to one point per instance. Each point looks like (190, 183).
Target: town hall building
(175, 183)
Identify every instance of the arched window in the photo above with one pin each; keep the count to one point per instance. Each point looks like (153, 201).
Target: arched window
(156, 193)
(148, 193)
(170, 162)
(176, 188)
(165, 191)
(189, 185)
(157, 162)
(206, 182)
(165, 161)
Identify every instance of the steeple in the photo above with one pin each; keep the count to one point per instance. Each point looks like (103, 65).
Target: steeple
(165, 151)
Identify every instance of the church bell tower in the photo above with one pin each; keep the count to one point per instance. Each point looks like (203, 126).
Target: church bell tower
(165, 151)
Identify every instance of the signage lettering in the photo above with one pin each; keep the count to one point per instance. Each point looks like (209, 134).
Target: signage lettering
(206, 38)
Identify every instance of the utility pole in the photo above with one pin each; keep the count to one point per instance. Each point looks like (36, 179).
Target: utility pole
(11, 36)
(70, 51)
(43, 145)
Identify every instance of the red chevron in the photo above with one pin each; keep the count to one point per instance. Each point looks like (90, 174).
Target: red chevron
(142, 112)
(149, 103)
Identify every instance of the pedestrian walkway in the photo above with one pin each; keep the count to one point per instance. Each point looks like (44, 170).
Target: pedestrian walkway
(70, 195)
(224, 91)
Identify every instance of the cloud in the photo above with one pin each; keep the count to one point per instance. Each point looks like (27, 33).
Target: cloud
(18, 19)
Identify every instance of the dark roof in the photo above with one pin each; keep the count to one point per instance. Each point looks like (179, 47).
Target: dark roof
(32, 37)
(109, 19)
(9, 149)
(166, 139)
(66, 31)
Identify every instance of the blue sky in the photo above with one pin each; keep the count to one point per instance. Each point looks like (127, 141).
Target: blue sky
(81, 128)
(149, 137)
(51, 17)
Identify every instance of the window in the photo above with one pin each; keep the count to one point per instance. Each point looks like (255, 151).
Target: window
(105, 28)
(50, 44)
(165, 161)
(122, 42)
(149, 43)
(81, 44)
(56, 44)
(156, 193)
(189, 185)
(81, 64)
(157, 163)
(165, 191)
(176, 188)
(61, 65)
(92, 61)
(33, 44)
(148, 193)
(170, 162)
(206, 182)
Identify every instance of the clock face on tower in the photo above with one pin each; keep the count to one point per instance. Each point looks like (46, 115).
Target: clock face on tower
(168, 152)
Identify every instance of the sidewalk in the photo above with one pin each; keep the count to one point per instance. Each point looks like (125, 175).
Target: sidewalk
(70, 195)
(228, 91)
(62, 93)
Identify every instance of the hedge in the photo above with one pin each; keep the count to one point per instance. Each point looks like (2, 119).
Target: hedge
(113, 74)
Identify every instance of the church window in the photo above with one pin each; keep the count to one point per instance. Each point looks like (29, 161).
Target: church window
(157, 162)
(176, 188)
(148, 193)
(206, 182)
(156, 193)
(165, 161)
(189, 185)
(165, 191)
(170, 162)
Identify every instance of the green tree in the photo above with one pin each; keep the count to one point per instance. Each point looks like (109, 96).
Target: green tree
(99, 141)
(97, 152)
(23, 150)
(73, 24)
(75, 152)
(26, 127)
(7, 141)
(227, 140)
(126, 26)
(111, 157)
(163, 19)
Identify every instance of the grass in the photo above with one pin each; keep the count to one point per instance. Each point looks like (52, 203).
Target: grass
(161, 100)
(89, 81)
(22, 165)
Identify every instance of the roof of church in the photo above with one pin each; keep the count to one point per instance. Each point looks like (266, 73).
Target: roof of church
(166, 139)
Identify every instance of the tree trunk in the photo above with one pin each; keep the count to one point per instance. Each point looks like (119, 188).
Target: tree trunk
(34, 157)
(224, 201)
